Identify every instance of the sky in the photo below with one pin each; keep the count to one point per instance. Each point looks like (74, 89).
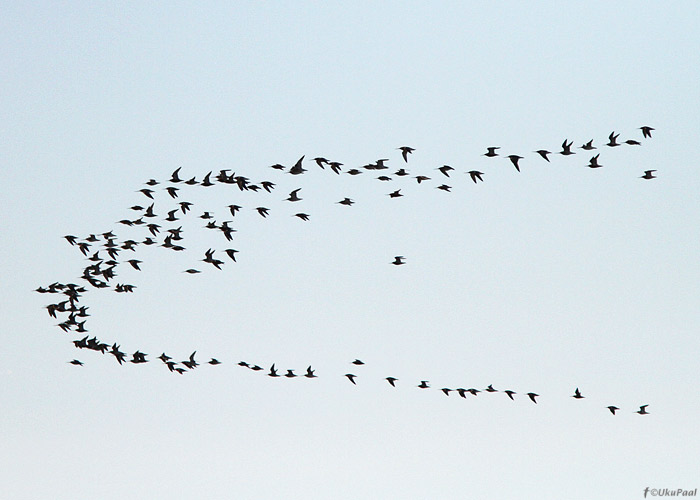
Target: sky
(543, 280)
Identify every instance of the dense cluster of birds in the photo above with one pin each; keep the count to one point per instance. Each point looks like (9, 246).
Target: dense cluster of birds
(105, 251)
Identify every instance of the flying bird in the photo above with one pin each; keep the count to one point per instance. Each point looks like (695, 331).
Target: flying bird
(351, 377)
(293, 196)
(405, 151)
(649, 174)
(588, 146)
(490, 152)
(577, 394)
(273, 371)
(593, 162)
(174, 176)
(445, 169)
(346, 202)
(646, 132)
(543, 153)
(613, 409)
(566, 148)
(514, 159)
(263, 211)
(358, 362)
(302, 216)
(510, 393)
(423, 384)
(399, 260)
(310, 373)
(391, 381)
(297, 168)
(476, 175)
(395, 194)
(76, 362)
(643, 410)
(532, 396)
(613, 139)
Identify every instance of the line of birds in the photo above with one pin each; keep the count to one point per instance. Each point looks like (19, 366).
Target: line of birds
(102, 250)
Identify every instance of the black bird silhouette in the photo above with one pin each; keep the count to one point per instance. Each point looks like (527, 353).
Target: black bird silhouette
(351, 377)
(358, 362)
(302, 216)
(532, 396)
(191, 271)
(646, 132)
(346, 201)
(335, 166)
(444, 187)
(613, 409)
(510, 393)
(446, 391)
(399, 260)
(172, 191)
(231, 253)
(395, 194)
(643, 410)
(174, 177)
(462, 392)
(613, 139)
(320, 161)
(293, 196)
(135, 264)
(121, 356)
(391, 381)
(71, 239)
(593, 162)
(297, 168)
(421, 178)
(268, 186)
(566, 148)
(234, 209)
(310, 373)
(273, 371)
(649, 174)
(400, 172)
(491, 151)
(588, 146)
(543, 153)
(632, 142)
(424, 384)
(263, 211)
(514, 159)
(76, 362)
(445, 169)
(147, 192)
(476, 175)
(164, 358)
(191, 363)
(405, 151)
(577, 394)
(290, 374)
(491, 389)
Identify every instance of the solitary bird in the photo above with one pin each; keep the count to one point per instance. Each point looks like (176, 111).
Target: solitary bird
(577, 394)
(297, 168)
(613, 139)
(395, 194)
(302, 216)
(351, 377)
(405, 151)
(346, 202)
(391, 381)
(76, 362)
(532, 396)
(648, 174)
(476, 175)
(263, 211)
(423, 384)
(358, 362)
(399, 260)
(510, 393)
(543, 153)
(613, 409)
(293, 196)
(514, 159)
(566, 148)
(643, 410)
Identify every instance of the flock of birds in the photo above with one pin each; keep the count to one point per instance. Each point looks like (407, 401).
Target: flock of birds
(105, 252)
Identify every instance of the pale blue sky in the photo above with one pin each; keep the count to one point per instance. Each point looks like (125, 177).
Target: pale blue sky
(553, 278)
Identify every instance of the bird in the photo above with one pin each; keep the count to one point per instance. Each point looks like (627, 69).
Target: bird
(444, 187)
(76, 362)
(191, 363)
(588, 146)
(473, 391)
(71, 239)
(310, 373)
(401, 172)
(646, 132)
(231, 253)
(172, 191)
(290, 374)
(510, 393)
(358, 362)
(147, 192)
(273, 371)
(405, 151)
(446, 391)
(514, 159)
(462, 392)
(423, 384)
(263, 211)
(577, 394)
(191, 271)
(346, 202)
(214, 361)
(399, 260)
(490, 152)
(613, 409)
(648, 174)
(351, 377)
(566, 148)
(135, 264)
(476, 175)
(335, 166)
(421, 178)
(174, 176)
(593, 162)
(445, 169)
(491, 389)
(302, 216)
(395, 194)
(643, 410)
(293, 196)
(613, 139)
(233, 209)
(164, 358)
(320, 161)
(543, 153)
(632, 142)
(297, 168)
(391, 381)
(532, 396)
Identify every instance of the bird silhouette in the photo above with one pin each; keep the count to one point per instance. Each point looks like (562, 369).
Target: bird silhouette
(532, 396)
(588, 146)
(643, 410)
(399, 260)
(395, 194)
(76, 362)
(476, 175)
(302, 216)
(273, 371)
(391, 380)
(646, 132)
(613, 140)
(310, 373)
(566, 148)
(405, 151)
(577, 394)
(649, 174)
(514, 159)
(543, 153)
(445, 170)
(613, 409)
(423, 384)
(297, 168)
(490, 152)
(346, 201)
(351, 377)
(294, 195)
(510, 393)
